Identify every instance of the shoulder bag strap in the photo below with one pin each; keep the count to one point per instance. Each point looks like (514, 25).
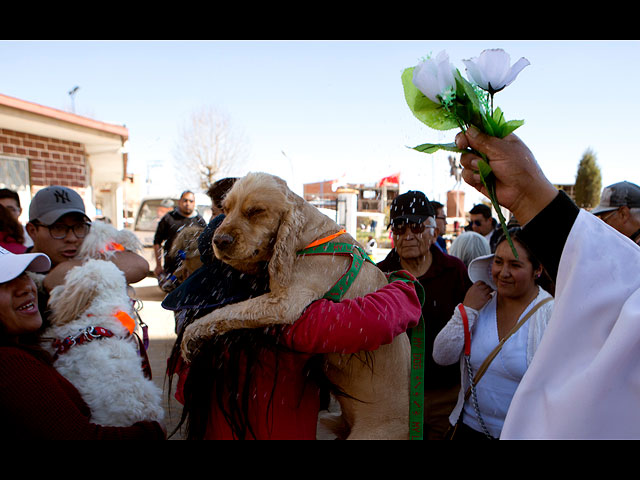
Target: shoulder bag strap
(492, 355)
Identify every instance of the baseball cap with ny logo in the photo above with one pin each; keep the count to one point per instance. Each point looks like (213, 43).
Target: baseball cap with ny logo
(52, 202)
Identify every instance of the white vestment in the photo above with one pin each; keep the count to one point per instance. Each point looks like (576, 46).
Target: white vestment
(584, 380)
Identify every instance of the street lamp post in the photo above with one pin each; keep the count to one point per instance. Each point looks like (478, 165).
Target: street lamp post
(72, 93)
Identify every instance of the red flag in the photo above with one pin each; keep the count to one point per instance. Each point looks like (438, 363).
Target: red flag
(390, 180)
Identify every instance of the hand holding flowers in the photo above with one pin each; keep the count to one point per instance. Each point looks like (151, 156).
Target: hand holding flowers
(439, 96)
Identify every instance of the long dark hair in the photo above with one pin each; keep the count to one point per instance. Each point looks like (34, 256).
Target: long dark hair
(222, 371)
(544, 280)
(10, 225)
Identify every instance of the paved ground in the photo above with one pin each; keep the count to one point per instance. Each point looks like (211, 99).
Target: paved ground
(161, 340)
(162, 337)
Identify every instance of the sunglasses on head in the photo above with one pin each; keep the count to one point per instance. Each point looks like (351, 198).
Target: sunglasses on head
(401, 227)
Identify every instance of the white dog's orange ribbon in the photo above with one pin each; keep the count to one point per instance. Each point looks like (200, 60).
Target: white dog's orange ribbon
(126, 320)
(113, 246)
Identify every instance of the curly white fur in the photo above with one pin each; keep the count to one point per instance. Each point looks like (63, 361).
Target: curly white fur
(108, 371)
(102, 234)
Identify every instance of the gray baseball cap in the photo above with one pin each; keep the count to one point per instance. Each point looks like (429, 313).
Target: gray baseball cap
(618, 195)
(52, 202)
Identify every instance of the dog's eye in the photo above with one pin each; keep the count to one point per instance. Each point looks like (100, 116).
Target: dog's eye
(252, 212)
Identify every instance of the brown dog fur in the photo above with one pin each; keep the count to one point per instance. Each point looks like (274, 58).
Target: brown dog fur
(268, 222)
(187, 241)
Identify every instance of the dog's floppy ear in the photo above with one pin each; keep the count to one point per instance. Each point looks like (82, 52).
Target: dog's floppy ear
(69, 300)
(82, 284)
(286, 244)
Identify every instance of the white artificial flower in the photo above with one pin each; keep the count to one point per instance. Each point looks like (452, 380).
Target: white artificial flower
(492, 71)
(435, 78)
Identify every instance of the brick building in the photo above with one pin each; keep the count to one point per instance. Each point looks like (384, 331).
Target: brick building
(41, 146)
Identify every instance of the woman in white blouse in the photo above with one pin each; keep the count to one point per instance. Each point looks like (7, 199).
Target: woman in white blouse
(504, 293)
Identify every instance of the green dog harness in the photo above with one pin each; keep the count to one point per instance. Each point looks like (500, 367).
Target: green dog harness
(358, 257)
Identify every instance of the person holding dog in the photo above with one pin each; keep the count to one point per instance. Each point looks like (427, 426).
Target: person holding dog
(58, 225)
(270, 384)
(36, 402)
(578, 385)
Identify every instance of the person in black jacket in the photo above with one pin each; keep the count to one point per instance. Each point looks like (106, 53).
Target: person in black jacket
(182, 216)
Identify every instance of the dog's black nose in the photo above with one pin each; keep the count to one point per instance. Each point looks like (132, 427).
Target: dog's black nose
(223, 241)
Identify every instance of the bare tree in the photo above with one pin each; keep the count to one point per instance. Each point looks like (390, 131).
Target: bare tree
(207, 147)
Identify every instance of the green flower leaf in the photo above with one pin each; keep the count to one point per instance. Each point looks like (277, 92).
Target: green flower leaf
(431, 114)
(468, 106)
(484, 168)
(497, 126)
(434, 147)
(510, 126)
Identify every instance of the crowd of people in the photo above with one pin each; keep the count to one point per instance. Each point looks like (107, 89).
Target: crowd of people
(529, 338)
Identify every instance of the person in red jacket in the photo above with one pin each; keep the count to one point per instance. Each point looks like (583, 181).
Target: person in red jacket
(282, 391)
(36, 402)
(269, 383)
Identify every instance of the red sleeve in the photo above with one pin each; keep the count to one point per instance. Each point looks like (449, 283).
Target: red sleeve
(363, 323)
(37, 402)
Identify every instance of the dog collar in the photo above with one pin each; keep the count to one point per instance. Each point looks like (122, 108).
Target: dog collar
(92, 333)
(88, 334)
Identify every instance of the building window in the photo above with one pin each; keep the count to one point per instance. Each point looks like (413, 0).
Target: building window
(14, 174)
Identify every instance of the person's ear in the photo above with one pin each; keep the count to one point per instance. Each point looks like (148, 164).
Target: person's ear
(31, 230)
(624, 213)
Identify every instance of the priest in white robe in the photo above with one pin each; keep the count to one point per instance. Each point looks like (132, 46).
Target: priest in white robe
(584, 381)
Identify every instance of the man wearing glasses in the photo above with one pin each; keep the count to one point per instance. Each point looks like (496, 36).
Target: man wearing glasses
(58, 225)
(482, 222)
(441, 224)
(445, 282)
(620, 208)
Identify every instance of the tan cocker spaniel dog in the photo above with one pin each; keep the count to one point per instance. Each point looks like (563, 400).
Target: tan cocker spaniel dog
(266, 221)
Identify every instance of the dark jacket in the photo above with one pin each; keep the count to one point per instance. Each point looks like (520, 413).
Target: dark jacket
(166, 232)
(445, 285)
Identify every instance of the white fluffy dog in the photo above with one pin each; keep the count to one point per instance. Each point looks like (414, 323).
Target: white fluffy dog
(106, 370)
(104, 240)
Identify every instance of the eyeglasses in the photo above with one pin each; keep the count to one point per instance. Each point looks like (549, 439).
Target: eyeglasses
(416, 228)
(605, 218)
(59, 231)
(477, 223)
(12, 209)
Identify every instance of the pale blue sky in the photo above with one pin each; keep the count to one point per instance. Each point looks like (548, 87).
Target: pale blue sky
(335, 107)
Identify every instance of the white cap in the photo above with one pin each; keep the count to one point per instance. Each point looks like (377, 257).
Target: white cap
(480, 269)
(12, 265)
